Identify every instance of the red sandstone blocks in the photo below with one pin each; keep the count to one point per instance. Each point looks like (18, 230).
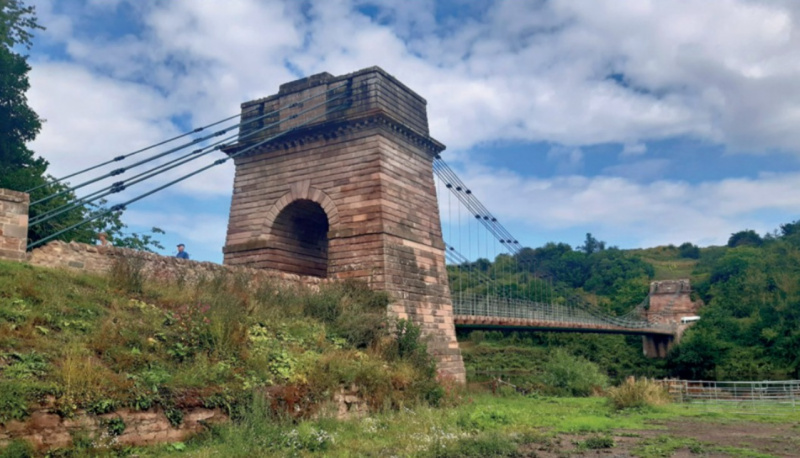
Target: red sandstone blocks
(370, 171)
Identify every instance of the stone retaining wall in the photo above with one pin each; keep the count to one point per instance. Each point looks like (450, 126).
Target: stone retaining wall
(101, 259)
(47, 430)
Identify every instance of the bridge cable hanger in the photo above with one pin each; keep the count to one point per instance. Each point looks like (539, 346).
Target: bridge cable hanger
(195, 141)
(194, 155)
(122, 206)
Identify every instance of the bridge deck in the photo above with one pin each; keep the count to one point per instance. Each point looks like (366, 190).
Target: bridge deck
(503, 312)
(487, 322)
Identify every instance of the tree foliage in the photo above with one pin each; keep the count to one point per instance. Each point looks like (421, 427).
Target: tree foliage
(750, 288)
(20, 169)
(591, 245)
(747, 237)
(688, 250)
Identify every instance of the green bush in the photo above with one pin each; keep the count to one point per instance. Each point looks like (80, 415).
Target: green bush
(568, 375)
(477, 337)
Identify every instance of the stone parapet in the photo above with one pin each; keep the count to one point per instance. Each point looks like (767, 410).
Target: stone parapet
(101, 259)
(13, 224)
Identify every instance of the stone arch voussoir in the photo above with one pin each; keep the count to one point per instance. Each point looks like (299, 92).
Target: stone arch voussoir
(301, 191)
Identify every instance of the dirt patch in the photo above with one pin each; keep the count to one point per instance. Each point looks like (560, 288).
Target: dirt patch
(773, 439)
(684, 438)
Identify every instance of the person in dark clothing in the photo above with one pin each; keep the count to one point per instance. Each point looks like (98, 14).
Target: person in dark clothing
(182, 254)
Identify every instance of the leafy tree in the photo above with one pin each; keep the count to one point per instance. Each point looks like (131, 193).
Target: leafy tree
(19, 169)
(610, 269)
(18, 122)
(696, 358)
(592, 245)
(790, 229)
(688, 250)
(747, 237)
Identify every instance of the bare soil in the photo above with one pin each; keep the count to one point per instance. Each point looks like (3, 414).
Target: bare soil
(704, 438)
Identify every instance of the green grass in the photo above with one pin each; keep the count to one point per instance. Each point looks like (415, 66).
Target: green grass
(666, 446)
(483, 425)
(99, 343)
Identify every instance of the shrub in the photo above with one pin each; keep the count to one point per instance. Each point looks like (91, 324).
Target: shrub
(477, 337)
(637, 393)
(568, 375)
(688, 250)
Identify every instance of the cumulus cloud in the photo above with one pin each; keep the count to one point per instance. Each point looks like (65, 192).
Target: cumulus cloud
(564, 72)
(571, 72)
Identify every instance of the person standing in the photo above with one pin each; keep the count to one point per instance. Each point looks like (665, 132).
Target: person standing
(181, 253)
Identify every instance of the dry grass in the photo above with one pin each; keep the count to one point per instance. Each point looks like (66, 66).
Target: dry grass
(633, 393)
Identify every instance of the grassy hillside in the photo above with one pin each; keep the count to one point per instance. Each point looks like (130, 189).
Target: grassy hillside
(80, 342)
(667, 262)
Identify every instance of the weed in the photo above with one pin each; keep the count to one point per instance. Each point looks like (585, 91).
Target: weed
(127, 274)
(18, 448)
(479, 446)
(102, 406)
(664, 446)
(175, 416)
(597, 443)
(115, 426)
(16, 396)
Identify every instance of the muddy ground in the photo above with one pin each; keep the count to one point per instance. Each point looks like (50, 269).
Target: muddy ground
(683, 438)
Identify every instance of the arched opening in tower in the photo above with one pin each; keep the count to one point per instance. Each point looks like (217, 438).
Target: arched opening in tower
(300, 235)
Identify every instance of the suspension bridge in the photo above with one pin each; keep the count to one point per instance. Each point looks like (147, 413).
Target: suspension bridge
(337, 176)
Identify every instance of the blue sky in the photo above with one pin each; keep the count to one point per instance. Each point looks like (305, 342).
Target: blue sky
(644, 122)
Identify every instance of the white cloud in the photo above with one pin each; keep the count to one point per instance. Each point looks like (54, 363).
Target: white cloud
(646, 169)
(634, 149)
(726, 70)
(644, 214)
(568, 72)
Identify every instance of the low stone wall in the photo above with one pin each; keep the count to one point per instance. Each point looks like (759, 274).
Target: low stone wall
(101, 259)
(47, 430)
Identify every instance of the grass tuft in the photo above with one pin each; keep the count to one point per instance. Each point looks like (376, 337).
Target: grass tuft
(633, 393)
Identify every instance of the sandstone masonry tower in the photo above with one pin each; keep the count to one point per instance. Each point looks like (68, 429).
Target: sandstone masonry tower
(349, 195)
(669, 301)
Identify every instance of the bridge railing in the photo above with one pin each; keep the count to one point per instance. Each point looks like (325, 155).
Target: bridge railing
(505, 307)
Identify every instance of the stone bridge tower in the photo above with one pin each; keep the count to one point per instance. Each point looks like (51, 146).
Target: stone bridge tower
(350, 194)
(670, 302)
